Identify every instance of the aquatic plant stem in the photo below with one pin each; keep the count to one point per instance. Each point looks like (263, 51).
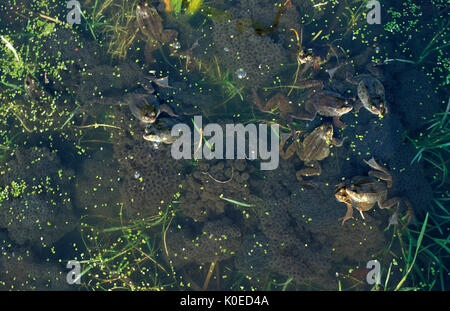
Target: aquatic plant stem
(208, 276)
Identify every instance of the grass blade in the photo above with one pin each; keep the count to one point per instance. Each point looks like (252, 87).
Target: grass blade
(419, 242)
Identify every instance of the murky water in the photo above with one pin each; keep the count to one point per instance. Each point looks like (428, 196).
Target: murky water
(92, 194)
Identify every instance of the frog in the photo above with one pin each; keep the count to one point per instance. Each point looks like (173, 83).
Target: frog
(34, 90)
(325, 103)
(147, 107)
(364, 192)
(370, 90)
(143, 104)
(314, 148)
(151, 27)
(312, 57)
(322, 102)
(160, 132)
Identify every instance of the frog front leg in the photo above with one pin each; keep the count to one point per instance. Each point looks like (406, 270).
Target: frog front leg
(169, 36)
(348, 214)
(358, 106)
(304, 115)
(338, 123)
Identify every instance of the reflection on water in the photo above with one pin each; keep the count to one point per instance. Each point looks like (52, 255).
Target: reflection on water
(84, 175)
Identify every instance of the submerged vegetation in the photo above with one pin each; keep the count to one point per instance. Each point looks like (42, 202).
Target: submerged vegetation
(133, 259)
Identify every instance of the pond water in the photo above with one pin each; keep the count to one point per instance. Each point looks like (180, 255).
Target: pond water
(335, 97)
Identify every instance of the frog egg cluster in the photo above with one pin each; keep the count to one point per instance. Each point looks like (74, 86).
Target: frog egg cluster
(255, 59)
(21, 270)
(39, 209)
(204, 188)
(219, 240)
(100, 182)
(149, 178)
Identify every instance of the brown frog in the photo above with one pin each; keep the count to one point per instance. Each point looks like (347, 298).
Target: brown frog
(160, 132)
(146, 107)
(311, 58)
(315, 147)
(143, 104)
(370, 91)
(325, 103)
(363, 192)
(150, 25)
(371, 96)
(34, 90)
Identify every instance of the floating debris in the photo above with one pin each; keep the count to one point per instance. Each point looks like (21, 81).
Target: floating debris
(241, 74)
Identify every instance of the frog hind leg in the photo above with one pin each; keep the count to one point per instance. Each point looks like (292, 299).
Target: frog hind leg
(317, 85)
(338, 123)
(314, 169)
(151, 47)
(380, 172)
(396, 201)
(309, 114)
(166, 108)
(290, 150)
(410, 213)
(276, 101)
(169, 36)
(388, 204)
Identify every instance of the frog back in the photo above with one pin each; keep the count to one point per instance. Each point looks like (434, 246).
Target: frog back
(314, 148)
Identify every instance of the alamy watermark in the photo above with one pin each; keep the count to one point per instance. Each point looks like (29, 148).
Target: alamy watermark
(74, 15)
(374, 15)
(74, 274)
(374, 274)
(236, 137)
